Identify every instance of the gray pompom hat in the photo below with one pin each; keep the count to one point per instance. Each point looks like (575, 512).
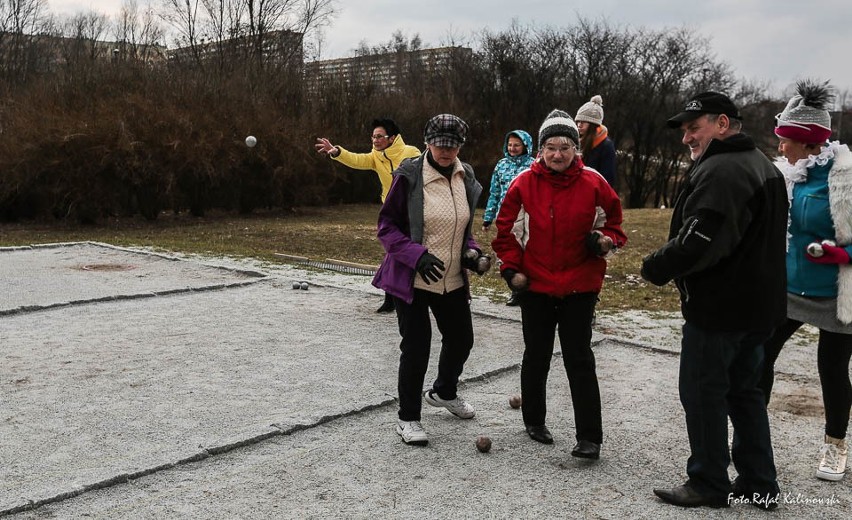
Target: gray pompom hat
(806, 118)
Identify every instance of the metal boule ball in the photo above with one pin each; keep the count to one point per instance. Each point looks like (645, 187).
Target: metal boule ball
(515, 401)
(483, 443)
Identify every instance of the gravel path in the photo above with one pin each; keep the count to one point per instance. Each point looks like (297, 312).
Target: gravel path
(191, 387)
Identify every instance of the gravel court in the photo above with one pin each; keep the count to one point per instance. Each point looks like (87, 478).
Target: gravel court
(123, 388)
(356, 466)
(101, 391)
(51, 275)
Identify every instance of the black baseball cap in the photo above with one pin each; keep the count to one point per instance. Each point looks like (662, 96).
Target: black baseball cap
(705, 103)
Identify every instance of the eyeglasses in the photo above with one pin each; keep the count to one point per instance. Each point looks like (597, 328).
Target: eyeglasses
(562, 149)
(376, 137)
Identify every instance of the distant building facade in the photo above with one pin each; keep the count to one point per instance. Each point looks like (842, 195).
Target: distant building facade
(384, 71)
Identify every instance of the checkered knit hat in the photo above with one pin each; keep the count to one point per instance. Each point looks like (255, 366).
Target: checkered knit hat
(805, 118)
(445, 130)
(558, 123)
(591, 112)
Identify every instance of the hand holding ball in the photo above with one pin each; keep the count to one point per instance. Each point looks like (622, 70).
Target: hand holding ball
(520, 281)
(605, 244)
(251, 141)
(815, 248)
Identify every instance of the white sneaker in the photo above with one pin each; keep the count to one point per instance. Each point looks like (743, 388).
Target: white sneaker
(412, 432)
(832, 462)
(458, 406)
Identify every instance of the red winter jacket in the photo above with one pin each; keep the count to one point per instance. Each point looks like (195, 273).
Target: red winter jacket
(555, 212)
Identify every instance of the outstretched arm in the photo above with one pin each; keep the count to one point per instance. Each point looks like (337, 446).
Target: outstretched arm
(323, 145)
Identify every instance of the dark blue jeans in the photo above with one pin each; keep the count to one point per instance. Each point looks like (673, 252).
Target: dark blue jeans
(452, 316)
(719, 372)
(541, 316)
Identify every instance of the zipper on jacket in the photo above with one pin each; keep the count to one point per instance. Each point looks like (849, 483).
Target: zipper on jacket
(389, 160)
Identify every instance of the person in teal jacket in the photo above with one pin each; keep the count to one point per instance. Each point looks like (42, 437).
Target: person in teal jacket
(819, 275)
(517, 157)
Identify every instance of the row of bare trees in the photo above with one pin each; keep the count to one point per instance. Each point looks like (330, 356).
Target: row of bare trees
(98, 117)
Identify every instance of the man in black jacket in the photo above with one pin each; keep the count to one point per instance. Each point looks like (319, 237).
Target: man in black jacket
(726, 255)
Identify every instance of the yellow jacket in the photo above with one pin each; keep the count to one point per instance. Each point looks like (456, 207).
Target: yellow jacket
(382, 162)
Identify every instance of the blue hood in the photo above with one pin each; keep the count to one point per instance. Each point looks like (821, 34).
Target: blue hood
(526, 139)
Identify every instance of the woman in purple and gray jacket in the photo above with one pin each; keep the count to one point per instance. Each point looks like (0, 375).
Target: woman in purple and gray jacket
(425, 227)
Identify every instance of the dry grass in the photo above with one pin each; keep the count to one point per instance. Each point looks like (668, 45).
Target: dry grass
(343, 232)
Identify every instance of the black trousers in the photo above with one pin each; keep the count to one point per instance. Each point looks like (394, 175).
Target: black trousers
(717, 380)
(834, 351)
(452, 316)
(572, 315)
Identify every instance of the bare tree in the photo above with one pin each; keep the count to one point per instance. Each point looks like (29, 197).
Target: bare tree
(20, 22)
(183, 16)
(138, 35)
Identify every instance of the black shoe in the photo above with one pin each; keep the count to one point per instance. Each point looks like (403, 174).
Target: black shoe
(387, 306)
(587, 450)
(540, 434)
(747, 495)
(513, 300)
(686, 496)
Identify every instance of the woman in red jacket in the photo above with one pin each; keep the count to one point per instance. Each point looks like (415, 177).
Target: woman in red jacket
(557, 223)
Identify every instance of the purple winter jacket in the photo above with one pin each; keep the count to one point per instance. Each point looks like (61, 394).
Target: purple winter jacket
(400, 228)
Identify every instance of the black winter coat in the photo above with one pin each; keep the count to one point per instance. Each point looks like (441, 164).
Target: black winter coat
(727, 240)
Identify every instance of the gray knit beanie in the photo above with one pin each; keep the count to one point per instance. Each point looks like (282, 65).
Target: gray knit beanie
(558, 123)
(591, 112)
(806, 118)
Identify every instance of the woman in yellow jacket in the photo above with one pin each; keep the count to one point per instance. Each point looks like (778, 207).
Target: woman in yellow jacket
(388, 151)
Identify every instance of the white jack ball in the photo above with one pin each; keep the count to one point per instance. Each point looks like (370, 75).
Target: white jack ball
(251, 141)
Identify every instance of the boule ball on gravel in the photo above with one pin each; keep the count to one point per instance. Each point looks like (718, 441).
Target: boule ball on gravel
(515, 401)
(483, 443)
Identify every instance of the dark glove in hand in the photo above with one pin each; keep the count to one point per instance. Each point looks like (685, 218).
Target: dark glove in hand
(592, 243)
(469, 259)
(430, 266)
(508, 275)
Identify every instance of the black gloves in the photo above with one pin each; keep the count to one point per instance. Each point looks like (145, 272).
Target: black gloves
(474, 260)
(430, 266)
(594, 245)
(522, 282)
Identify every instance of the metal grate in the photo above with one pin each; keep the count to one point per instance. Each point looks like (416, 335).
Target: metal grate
(341, 266)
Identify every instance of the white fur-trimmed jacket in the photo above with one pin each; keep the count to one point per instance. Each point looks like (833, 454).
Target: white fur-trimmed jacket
(840, 202)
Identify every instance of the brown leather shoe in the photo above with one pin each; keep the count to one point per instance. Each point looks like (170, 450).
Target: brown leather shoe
(540, 434)
(686, 496)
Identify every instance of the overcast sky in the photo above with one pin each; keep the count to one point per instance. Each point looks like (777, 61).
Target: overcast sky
(775, 40)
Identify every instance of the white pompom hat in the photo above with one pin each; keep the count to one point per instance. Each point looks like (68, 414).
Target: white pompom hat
(591, 112)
